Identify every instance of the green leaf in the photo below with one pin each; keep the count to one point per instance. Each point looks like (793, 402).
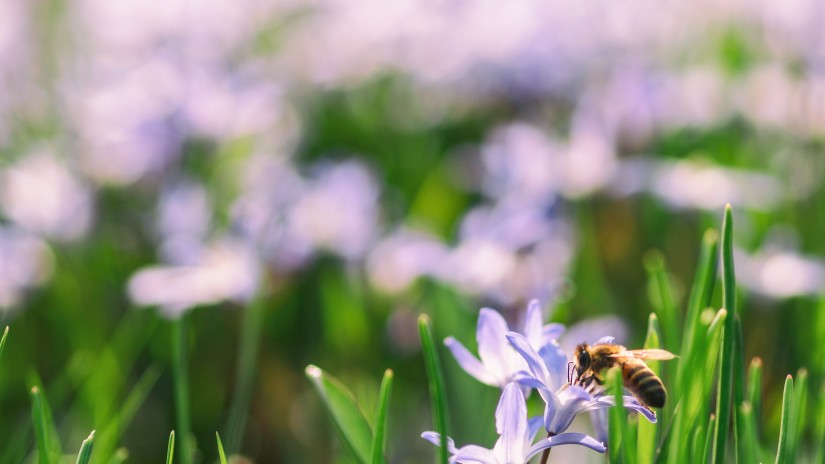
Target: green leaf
(3, 340)
(249, 341)
(170, 448)
(348, 419)
(221, 454)
(648, 432)
(621, 448)
(700, 294)
(379, 439)
(754, 393)
(86, 449)
(48, 446)
(120, 456)
(724, 394)
(738, 382)
(180, 375)
(661, 295)
(819, 430)
(784, 427)
(749, 449)
(438, 395)
(799, 405)
(706, 453)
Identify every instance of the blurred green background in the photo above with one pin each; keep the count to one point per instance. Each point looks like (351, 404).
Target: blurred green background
(351, 164)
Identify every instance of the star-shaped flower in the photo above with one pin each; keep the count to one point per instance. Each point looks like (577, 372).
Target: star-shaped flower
(516, 434)
(499, 361)
(547, 370)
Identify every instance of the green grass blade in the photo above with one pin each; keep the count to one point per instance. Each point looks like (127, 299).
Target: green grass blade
(438, 395)
(221, 453)
(697, 445)
(250, 341)
(661, 295)
(85, 453)
(648, 433)
(108, 439)
(180, 373)
(785, 425)
(379, 439)
(799, 405)
(3, 340)
(620, 448)
(819, 427)
(170, 448)
(348, 419)
(120, 456)
(724, 394)
(48, 444)
(749, 449)
(701, 293)
(738, 382)
(754, 393)
(708, 449)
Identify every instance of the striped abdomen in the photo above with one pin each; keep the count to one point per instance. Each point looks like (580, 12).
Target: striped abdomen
(642, 382)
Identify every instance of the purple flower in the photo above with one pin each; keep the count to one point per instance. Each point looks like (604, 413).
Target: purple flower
(499, 362)
(547, 374)
(516, 434)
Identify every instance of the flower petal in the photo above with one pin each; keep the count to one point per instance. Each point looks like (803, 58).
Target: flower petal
(492, 346)
(533, 329)
(470, 363)
(511, 423)
(629, 402)
(606, 341)
(525, 378)
(534, 424)
(556, 363)
(552, 332)
(534, 361)
(435, 439)
(567, 439)
(574, 400)
(473, 454)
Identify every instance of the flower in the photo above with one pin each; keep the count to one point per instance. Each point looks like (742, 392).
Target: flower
(516, 434)
(562, 400)
(499, 362)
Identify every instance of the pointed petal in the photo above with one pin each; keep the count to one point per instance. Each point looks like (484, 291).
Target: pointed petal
(629, 403)
(552, 332)
(534, 424)
(435, 439)
(473, 454)
(599, 418)
(556, 363)
(470, 363)
(527, 379)
(567, 439)
(534, 361)
(533, 329)
(511, 423)
(574, 400)
(492, 346)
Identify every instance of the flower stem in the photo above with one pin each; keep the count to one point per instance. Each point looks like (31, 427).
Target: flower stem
(181, 380)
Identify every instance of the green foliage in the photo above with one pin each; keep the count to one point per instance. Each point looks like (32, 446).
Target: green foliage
(170, 448)
(379, 439)
(85, 453)
(784, 447)
(621, 447)
(648, 433)
(221, 453)
(438, 396)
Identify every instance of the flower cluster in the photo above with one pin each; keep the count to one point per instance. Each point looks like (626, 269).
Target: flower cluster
(518, 363)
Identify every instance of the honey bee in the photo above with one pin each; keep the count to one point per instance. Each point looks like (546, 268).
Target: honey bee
(590, 361)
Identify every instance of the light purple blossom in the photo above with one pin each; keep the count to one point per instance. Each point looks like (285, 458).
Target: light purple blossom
(516, 434)
(563, 402)
(499, 362)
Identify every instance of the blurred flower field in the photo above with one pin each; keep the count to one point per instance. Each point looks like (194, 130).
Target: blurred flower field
(199, 200)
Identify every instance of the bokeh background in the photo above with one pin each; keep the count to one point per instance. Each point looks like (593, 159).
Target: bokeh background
(353, 163)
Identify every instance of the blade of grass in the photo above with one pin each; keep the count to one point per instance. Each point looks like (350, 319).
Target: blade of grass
(250, 341)
(697, 445)
(799, 405)
(724, 394)
(738, 383)
(648, 432)
(221, 454)
(48, 444)
(120, 456)
(350, 422)
(86, 449)
(108, 439)
(819, 430)
(379, 439)
(3, 340)
(784, 426)
(661, 295)
(754, 394)
(170, 448)
(620, 448)
(438, 395)
(749, 452)
(706, 454)
(180, 373)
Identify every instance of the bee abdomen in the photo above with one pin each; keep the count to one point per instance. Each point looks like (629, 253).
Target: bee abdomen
(640, 380)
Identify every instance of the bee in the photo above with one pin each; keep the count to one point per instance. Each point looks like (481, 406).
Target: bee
(590, 361)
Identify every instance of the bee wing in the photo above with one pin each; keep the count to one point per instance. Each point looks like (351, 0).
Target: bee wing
(651, 353)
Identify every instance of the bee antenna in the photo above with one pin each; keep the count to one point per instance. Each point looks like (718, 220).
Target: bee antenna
(569, 372)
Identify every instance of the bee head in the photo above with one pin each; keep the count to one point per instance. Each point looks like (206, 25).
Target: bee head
(582, 358)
